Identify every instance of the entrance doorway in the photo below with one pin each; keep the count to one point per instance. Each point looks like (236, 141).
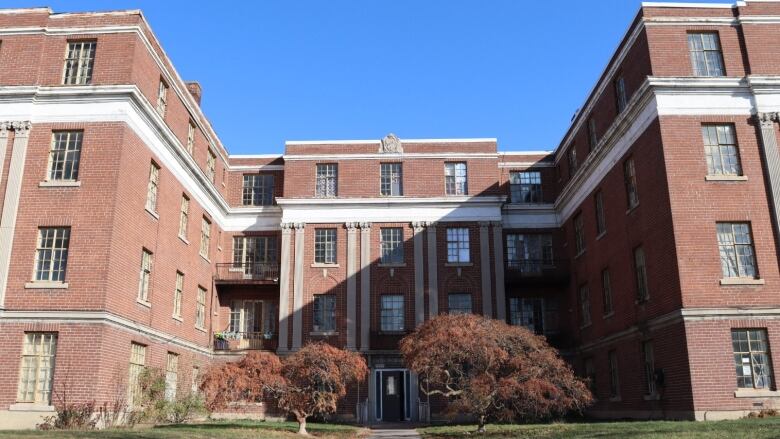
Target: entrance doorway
(392, 395)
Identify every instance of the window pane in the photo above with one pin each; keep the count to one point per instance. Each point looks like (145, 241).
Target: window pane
(392, 313)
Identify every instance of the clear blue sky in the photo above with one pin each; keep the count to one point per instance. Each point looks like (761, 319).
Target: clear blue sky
(314, 69)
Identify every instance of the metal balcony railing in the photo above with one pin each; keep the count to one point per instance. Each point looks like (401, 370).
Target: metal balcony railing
(243, 272)
(237, 341)
(537, 270)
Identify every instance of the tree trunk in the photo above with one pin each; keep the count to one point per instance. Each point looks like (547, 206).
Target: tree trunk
(481, 426)
(302, 425)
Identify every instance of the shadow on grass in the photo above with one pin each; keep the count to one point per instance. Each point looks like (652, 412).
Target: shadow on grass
(250, 425)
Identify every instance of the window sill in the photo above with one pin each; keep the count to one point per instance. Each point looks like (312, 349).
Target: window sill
(615, 399)
(580, 254)
(152, 213)
(582, 327)
(756, 393)
(200, 329)
(401, 332)
(601, 235)
(608, 315)
(46, 285)
(458, 264)
(205, 258)
(30, 407)
(725, 178)
(144, 303)
(642, 301)
(323, 333)
(59, 183)
(652, 397)
(184, 240)
(741, 281)
(321, 265)
(178, 319)
(632, 208)
(392, 264)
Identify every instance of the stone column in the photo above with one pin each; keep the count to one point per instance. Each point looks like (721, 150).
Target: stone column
(498, 256)
(297, 338)
(13, 192)
(771, 156)
(351, 284)
(485, 272)
(365, 286)
(284, 288)
(433, 272)
(419, 274)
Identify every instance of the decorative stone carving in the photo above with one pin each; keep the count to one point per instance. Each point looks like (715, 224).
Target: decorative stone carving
(21, 127)
(365, 226)
(767, 118)
(4, 126)
(286, 227)
(391, 144)
(299, 226)
(418, 226)
(351, 226)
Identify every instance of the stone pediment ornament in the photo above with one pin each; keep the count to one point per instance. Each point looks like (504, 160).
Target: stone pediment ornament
(391, 144)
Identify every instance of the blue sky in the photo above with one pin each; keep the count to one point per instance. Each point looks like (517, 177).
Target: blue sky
(314, 69)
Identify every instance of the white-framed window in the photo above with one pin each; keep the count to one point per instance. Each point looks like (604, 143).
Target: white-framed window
(648, 360)
(529, 253)
(390, 180)
(171, 375)
(64, 156)
(706, 56)
(579, 234)
(162, 97)
(391, 313)
(251, 318)
(178, 292)
(721, 150)
(593, 138)
(537, 314)
(584, 296)
(640, 270)
(79, 62)
(525, 186)
(606, 292)
(190, 137)
(195, 380)
(205, 237)
(590, 374)
(211, 165)
(737, 256)
(391, 245)
(184, 216)
(458, 245)
(601, 219)
(200, 308)
(145, 275)
(325, 246)
(572, 159)
(629, 177)
(258, 190)
(614, 374)
(327, 184)
(255, 256)
(137, 366)
(324, 313)
(455, 178)
(51, 254)
(37, 369)
(751, 358)
(459, 303)
(151, 191)
(621, 100)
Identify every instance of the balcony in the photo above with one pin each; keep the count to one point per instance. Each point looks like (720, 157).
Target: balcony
(241, 341)
(537, 272)
(248, 273)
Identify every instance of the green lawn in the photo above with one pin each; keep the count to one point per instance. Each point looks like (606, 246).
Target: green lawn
(211, 430)
(747, 428)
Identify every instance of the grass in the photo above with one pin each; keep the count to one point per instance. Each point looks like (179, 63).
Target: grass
(210, 430)
(746, 428)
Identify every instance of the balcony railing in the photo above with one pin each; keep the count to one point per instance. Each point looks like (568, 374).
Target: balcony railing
(537, 270)
(248, 272)
(238, 341)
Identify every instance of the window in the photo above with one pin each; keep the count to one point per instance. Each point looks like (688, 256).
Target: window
(205, 237)
(455, 179)
(572, 159)
(614, 378)
(606, 292)
(601, 220)
(640, 269)
(584, 296)
(751, 357)
(255, 255)
(137, 365)
(579, 234)
(211, 165)
(459, 303)
(621, 101)
(590, 374)
(720, 147)
(737, 258)
(706, 56)
(65, 155)
(529, 253)
(258, 190)
(177, 294)
(146, 274)
(184, 216)
(629, 175)
(162, 98)
(195, 377)
(593, 139)
(190, 137)
(51, 254)
(151, 192)
(391, 314)
(200, 308)
(648, 359)
(171, 375)
(251, 318)
(538, 315)
(79, 62)
(325, 246)
(35, 378)
(391, 180)
(327, 180)
(324, 313)
(458, 245)
(391, 246)
(525, 187)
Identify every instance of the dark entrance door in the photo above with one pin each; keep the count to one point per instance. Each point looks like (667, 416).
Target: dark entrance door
(392, 396)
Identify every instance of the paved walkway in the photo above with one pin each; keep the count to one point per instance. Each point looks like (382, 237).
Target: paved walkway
(387, 431)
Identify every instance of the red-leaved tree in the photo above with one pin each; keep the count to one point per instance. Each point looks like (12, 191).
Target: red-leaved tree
(308, 382)
(492, 371)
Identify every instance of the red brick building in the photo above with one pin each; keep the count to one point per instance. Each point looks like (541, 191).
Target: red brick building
(645, 246)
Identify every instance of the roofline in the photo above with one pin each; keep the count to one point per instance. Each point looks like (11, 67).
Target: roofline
(376, 142)
(690, 5)
(25, 10)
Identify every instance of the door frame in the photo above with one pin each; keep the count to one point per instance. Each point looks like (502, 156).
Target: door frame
(406, 414)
